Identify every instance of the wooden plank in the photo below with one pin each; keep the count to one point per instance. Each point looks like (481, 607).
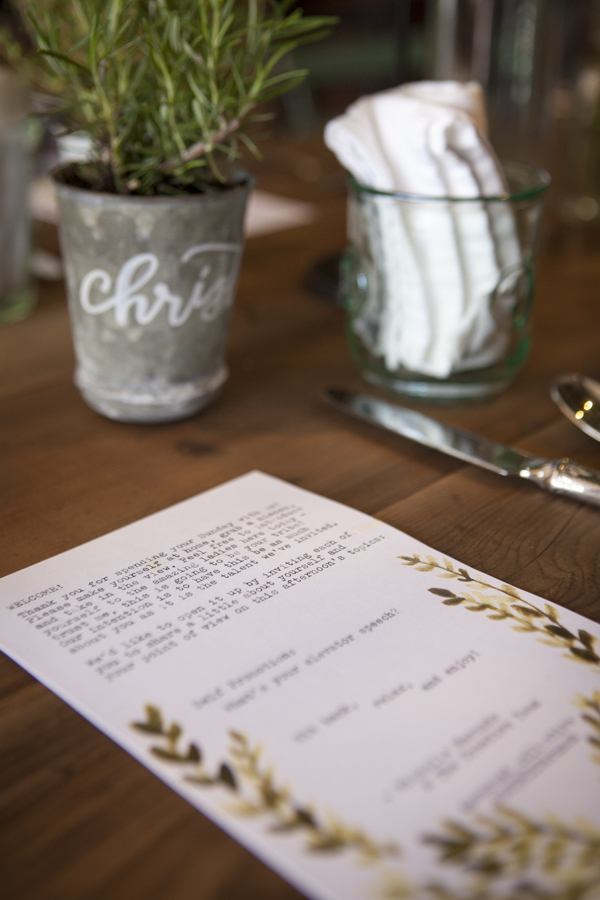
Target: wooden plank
(79, 818)
(512, 530)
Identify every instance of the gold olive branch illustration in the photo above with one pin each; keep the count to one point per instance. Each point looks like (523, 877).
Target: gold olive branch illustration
(505, 602)
(591, 715)
(393, 885)
(169, 751)
(269, 797)
(509, 844)
(574, 890)
(262, 794)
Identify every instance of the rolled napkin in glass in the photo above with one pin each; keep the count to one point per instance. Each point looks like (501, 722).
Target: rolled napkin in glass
(438, 278)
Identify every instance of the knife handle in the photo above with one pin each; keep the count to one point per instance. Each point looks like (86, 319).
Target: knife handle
(563, 476)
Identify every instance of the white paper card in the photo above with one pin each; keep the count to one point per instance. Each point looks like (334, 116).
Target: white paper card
(367, 716)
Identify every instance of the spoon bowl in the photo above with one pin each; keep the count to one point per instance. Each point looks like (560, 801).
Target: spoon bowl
(578, 397)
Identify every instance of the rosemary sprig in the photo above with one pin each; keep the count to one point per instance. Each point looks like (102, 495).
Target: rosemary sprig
(165, 88)
(505, 603)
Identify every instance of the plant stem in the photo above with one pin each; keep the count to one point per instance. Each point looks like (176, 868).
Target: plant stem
(201, 147)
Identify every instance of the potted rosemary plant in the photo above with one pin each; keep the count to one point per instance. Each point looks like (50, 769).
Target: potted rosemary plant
(151, 225)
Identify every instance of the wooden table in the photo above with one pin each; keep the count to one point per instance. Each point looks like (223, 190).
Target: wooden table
(80, 819)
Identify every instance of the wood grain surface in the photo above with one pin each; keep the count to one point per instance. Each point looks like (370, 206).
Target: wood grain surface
(79, 818)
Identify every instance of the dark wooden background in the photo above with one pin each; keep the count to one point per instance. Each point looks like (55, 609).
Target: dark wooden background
(78, 817)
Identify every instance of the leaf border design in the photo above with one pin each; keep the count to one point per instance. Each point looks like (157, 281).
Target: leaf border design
(257, 793)
(506, 603)
(505, 844)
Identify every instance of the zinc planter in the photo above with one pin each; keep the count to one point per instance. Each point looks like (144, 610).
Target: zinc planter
(150, 284)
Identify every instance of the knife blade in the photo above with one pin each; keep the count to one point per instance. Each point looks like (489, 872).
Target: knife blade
(559, 476)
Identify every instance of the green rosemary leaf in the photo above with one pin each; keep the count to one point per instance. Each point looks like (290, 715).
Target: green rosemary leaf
(251, 146)
(65, 59)
(129, 72)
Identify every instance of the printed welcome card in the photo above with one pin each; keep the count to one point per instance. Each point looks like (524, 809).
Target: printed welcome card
(368, 717)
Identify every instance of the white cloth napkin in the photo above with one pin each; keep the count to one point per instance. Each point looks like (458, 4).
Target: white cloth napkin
(439, 262)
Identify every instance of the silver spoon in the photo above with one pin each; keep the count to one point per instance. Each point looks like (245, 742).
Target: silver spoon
(578, 397)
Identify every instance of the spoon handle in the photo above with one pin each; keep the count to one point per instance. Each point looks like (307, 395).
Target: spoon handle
(563, 476)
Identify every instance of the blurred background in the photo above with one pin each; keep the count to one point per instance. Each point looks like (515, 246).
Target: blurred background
(538, 60)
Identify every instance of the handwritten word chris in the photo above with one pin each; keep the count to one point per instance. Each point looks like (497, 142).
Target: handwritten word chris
(209, 297)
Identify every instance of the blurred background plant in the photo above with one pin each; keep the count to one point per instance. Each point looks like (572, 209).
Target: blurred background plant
(537, 60)
(167, 90)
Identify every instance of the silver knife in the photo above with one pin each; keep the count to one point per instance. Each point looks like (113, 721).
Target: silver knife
(560, 476)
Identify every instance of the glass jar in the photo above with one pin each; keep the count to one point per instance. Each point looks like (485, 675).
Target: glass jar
(438, 291)
(17, 295)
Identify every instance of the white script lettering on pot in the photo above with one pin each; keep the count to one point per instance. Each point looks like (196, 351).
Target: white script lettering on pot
(210, 297)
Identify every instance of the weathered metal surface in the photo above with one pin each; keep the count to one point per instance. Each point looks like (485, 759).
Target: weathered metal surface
(151, 283)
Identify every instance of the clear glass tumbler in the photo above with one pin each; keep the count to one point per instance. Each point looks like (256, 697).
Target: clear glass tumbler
(438, 291)
(17, 294)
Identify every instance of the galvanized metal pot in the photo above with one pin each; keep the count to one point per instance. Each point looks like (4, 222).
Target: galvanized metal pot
(150, 283)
